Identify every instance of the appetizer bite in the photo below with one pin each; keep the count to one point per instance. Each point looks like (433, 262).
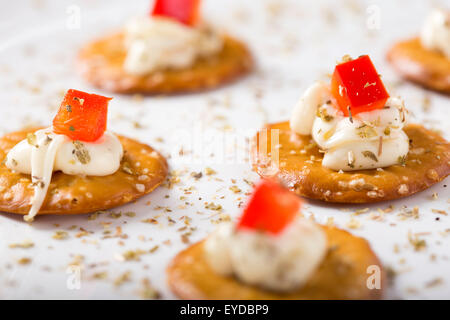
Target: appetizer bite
(274, 253)
(75, 166)
(426, 59)
(349, 141)
(169, 51)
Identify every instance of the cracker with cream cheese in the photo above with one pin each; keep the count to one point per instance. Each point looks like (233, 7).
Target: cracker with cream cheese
(142, 170)
(101, 64)
(300, 168)
(342, 275)
(428, 68)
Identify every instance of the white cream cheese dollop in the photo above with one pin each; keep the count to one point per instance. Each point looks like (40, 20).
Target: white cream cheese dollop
(282, 262)
(304, 113)
(368, 140)
(435, 33)
(44, 152)
(161, 43)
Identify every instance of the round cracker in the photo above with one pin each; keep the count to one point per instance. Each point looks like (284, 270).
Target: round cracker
(73, 194)
(428, 68)
(300, 168)
(101, 63)
(343, 274)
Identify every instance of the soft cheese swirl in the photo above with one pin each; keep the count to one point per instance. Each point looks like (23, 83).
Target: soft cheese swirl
(160, 43)
(281, 262)
(45, 152)
(368, 140)
(435, 33)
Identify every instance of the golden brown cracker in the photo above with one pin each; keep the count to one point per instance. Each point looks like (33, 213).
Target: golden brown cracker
(428, 68)
(343, 274)
(300, 168)
(101, 63)
(142, 170)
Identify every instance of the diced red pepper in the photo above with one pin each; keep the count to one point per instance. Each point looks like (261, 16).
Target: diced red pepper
(184, 11)
(271, 208)
(357, 85)
(82, 116)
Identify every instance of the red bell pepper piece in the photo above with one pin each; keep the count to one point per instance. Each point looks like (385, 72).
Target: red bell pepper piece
(184, 11)
(356, 85)
(271, 208)
(81, 116)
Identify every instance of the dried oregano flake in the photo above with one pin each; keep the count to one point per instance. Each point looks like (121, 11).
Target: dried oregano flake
(366, 131)
(351, 159)
(401, 160)
(81, 152)
(323, 114)
(32, 139)
(370, 154)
